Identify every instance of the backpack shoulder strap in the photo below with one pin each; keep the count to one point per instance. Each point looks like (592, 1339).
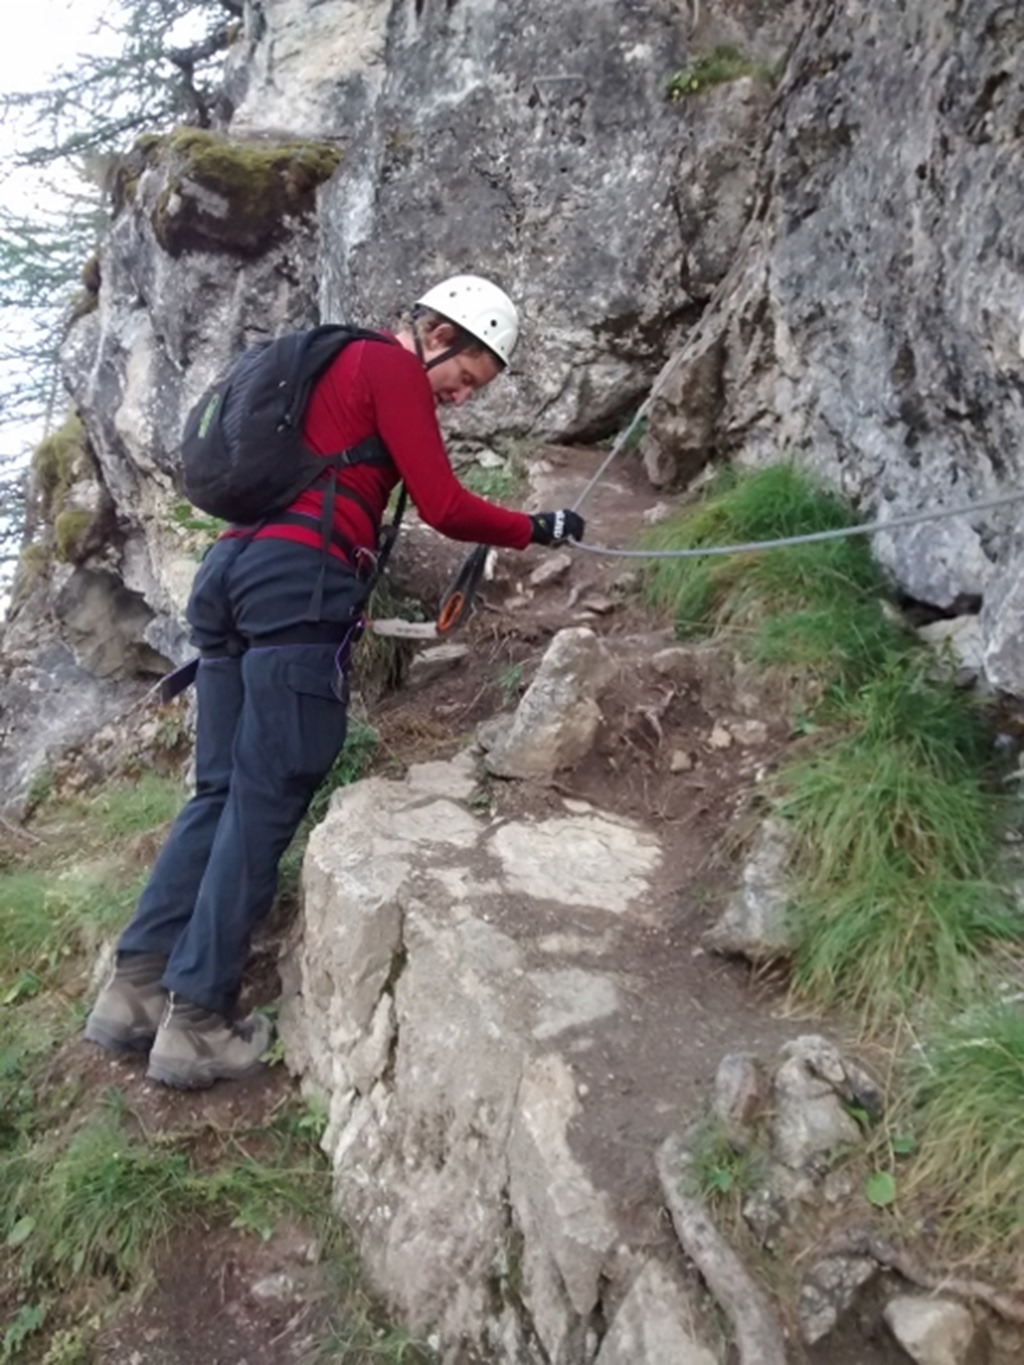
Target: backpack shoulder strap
(312, 352)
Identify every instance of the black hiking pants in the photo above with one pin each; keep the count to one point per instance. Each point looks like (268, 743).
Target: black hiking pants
(270, 722)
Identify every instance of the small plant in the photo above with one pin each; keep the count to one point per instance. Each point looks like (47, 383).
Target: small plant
(721, 1173)
(497, 484)
(717, 67)
(40, 789)
(172, 732)
(880, 1189)
(510, 683)
(26, 1322)
(190, 518)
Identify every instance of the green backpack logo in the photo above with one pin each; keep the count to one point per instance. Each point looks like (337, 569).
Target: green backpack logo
(209, 412)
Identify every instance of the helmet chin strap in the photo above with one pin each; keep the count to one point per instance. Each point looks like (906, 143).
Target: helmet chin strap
(452, 351)
(446, 355)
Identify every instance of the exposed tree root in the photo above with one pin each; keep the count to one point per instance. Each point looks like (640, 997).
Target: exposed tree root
(758, 1332)
(864, 1242)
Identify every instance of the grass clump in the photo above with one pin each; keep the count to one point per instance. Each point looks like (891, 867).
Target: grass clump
(814, 607)
(966, 1095)
(71, 528)
(77, 884)
(896, 835)
(897, 845)
(125, 808)
(98, 1208)
(720, 1172)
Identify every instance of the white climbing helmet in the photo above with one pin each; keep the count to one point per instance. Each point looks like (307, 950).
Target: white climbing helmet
(479, 308)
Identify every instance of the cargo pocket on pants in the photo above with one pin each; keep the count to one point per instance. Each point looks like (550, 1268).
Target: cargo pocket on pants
(319, 717)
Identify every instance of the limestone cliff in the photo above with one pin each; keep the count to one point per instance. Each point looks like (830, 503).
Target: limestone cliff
(815, 200)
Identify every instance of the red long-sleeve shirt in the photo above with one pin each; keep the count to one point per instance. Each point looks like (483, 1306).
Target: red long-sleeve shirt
(374, 387)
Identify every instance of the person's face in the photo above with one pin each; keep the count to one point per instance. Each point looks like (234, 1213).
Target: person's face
(457, 379)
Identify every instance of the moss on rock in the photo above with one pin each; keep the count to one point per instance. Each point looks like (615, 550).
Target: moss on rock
(235, 196)
(71, 534)
(58, 461)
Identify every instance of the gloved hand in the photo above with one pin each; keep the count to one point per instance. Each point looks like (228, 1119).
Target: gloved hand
(550, 528)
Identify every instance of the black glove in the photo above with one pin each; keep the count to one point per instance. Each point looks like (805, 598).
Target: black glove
(551, 528)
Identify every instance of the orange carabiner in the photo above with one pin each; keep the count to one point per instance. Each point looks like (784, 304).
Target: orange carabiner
(457, 602)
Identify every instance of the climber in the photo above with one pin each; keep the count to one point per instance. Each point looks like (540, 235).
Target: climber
(272, 684)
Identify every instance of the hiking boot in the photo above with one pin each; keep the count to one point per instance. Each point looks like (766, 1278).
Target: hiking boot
(195, 1047)
(129, 1008)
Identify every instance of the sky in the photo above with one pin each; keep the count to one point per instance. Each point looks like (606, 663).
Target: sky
(48, 34)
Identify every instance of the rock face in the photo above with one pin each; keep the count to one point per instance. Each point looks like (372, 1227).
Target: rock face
(444, 997)
(828, 230)
(477, 138)
(165, 325)
(870, 324)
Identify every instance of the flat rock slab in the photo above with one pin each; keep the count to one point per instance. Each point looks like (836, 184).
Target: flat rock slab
(502, 1019)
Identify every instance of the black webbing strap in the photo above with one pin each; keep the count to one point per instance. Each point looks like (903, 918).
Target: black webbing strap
(389, 534)
(174, 683)
(327, 534)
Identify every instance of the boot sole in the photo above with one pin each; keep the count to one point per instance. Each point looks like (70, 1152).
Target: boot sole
(131, 1044)
(187, 1079)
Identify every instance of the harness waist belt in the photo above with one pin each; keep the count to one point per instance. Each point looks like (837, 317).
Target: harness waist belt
(305, 633)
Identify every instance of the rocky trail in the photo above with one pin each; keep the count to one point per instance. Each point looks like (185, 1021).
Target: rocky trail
(503, 991)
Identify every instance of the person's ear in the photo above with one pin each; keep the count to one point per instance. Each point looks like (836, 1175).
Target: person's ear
(442, 336)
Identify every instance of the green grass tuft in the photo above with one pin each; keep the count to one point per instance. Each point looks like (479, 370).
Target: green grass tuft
(966, 1099)
(897, 845)
(102, 1205)
(896, 864)
(121, 808)
(720, 1173)
(813, 607)
(100, 1208)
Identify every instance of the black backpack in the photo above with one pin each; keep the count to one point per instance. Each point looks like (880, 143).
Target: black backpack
(242, 452)
(243, 455)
